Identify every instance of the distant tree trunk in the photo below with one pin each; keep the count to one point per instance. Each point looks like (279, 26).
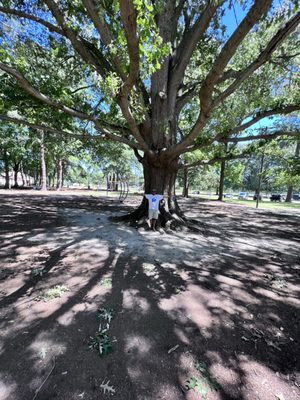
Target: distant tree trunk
(16, 170)
(6, 168)
(221, 184)
(289, 194)
(290, 188)
(259, 179)
(117, 182)
(63, 174)
(43, 163)
(185, 190)
(113, 182)
(22, 175)
(59, 174)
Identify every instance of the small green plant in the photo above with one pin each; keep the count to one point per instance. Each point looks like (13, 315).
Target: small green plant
(106, 314)
(53, 293)
(201, 367)
(106, 282)
(204, 383)
(101, 341)
(199, 384)
(37, 272)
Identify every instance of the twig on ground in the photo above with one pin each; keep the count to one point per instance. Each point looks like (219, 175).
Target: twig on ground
(173, 349)
(44, 381)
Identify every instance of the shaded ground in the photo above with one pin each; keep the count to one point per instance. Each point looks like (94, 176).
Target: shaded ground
(229, 298)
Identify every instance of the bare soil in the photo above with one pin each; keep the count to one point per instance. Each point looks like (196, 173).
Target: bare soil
(226, 298)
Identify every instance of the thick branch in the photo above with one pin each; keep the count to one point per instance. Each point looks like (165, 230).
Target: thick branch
(223, 136)
(104, 32)
(103, 133)
(24, 84)
(252, 17)
(264, 57)
(263, 114)
(89, 53)
(128, 16)
(21, 121)
(190, 40)
(21, 14)
(266, 136)
(216, 160)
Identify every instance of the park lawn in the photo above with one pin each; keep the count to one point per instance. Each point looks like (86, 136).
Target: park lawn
(264, 204)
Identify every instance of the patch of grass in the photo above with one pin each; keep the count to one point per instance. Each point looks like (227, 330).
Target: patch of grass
(106, 283)
(53, 293)
(278, 283)
(263, 204)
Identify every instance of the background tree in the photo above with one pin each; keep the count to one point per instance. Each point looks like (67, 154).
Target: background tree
(146, 67)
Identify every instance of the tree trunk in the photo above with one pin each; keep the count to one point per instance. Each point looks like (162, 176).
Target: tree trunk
(43, 163)
(63, 170)
(160, 176)
(22, 176)
(185, 190)
(289, 194)
(59, 174)
(221, 184)
(16, 170)
(6, 168)
(259, 179)
(290, 188)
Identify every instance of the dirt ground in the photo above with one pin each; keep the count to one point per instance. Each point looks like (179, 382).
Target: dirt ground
(216, 310)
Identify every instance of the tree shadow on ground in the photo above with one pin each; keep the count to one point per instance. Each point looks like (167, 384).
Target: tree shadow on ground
(227, 300)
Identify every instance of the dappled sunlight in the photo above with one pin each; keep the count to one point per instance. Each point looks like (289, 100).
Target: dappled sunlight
(138, 346)
(8, 387)
(178, 300)
(257, 375)
(133, 300)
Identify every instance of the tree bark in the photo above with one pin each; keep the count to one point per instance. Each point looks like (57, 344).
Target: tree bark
(222, 177)
(22, 176)
(185, 190)
(259, 179)
(16, 170)
(43, 163)
(6, 167)
(59, 174)
(289, 194)
(160, 175)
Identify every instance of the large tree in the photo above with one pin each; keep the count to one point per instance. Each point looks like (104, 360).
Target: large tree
(159, 76)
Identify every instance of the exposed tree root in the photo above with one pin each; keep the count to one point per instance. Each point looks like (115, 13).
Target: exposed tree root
(172, 220)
